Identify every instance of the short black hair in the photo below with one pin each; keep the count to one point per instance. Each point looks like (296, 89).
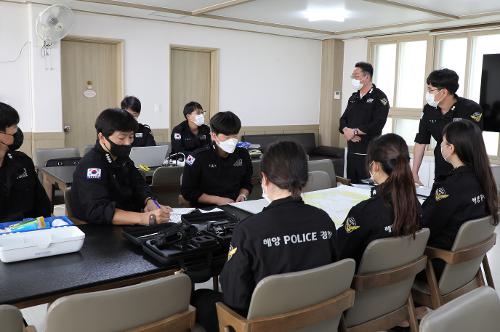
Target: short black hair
(115, 119)
(8, 116)
(365, 67)
(285, 165)
(191, 107)
(226, 123)
(131, 102)
(444, 79)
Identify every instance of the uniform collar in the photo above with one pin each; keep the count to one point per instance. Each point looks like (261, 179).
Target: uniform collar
(453, 108)
(368, 93)
(282, 201)
(107, 155)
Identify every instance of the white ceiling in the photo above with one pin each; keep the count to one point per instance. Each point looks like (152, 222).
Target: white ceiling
(286, 17)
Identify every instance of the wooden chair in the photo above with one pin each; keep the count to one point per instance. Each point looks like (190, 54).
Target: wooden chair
(477, 310)
(152, 306)
(383, 284)
(462, 272)
(310, 300)
(326, 165)
(69, 210)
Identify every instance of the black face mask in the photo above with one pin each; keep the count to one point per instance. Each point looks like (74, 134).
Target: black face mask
(119, 151)
(18, 140)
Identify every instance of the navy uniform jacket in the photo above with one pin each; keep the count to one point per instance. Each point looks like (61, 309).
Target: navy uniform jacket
(21, 194)
(183, 140)
(433, 122)
(287, 236)
(368, 114)
(367, 221)
(101, 185)
(143, 136)
(454, 199)
(206, 172)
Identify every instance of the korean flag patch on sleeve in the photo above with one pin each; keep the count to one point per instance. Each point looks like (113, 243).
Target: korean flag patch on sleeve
(177, 136)
(190, 160)
(93, 173)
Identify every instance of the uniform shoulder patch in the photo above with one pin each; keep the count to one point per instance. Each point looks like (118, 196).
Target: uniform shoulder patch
(177, 136)
(138, 135)
(238, 163)
(476, 116)
(440, 194)
(93, 173)
(350, 225)
(190, 160)
(232, 251)
(384, 101)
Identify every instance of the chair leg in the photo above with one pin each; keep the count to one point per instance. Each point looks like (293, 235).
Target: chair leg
(487, 272)
(342, 327)
(433, 285)
(215, 280)
(480, 278)
(412, 318)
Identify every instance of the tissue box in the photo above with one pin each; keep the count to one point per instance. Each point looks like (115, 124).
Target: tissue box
(45, 242)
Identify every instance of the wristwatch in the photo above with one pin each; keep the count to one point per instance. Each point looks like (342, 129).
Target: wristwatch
(152, 220)
(244, 196)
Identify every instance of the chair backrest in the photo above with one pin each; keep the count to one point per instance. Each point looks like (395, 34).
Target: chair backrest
(279, 294)
(11, 319)
(167, 176)
(43, 155)
(86, 149)
(166, 185)
(67, 202)
(470, 233)
(73, 161)
(384, 255)
(121, 308)
(256, 178)
(325, 165)
(478, 310)
(317, 180)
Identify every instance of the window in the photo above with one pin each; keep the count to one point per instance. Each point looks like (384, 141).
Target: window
(406, 128)
(385, 71)
(411, 75)
(388, 127)
(453, 55)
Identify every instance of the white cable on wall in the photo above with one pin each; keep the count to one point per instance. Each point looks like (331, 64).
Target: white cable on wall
(19, 55)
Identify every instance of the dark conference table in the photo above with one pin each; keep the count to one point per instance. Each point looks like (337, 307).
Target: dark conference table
(107, 260)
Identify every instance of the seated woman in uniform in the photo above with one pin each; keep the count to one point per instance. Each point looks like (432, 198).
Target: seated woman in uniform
(21, 194)
(394, 209)
(192, 133)
(468, 192)
(143, 134)
(220, 173)
(287, 236)
(107, 188)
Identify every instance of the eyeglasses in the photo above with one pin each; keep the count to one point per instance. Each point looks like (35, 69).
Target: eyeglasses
(433, 90)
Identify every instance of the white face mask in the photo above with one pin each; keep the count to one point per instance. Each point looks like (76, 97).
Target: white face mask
(228, 145)
(444, 157)
(264, 195)
(199, 119)
(371, 174)
(430, 98)
(356, 84)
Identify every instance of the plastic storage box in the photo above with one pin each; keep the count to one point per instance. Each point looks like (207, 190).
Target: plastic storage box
(45, 242)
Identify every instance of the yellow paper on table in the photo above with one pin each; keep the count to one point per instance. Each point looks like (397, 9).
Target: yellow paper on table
(336, 201)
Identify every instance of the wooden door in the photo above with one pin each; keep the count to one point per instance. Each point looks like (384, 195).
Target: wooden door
(91, 82)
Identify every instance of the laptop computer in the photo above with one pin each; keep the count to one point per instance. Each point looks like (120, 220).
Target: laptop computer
(151, 156)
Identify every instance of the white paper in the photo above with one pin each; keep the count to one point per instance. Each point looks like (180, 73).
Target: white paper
(175, 215)
(254, 206)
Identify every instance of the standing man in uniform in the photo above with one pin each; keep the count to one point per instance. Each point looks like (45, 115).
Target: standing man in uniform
(443, 106)
(221, 173)
(193, 133)
(107, 188)
(143, 134)
(21, 194)
(363, 119)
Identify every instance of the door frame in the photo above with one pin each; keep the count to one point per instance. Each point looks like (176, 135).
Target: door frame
(214, 77)
(120, 64)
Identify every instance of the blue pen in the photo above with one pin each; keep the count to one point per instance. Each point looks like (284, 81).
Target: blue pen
(156, 203)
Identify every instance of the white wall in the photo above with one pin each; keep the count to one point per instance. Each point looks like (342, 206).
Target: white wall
(265, 79)
(355, 50)
(14, 76)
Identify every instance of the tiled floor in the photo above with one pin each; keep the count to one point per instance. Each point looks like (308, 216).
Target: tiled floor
(36, 315)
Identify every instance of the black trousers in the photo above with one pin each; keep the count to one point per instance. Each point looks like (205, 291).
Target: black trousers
(356, 168)
(206, 314)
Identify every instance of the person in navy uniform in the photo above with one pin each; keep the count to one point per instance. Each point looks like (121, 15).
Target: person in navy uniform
(193, 133)
(468, 192)
(393, 210)
(107, 188)
(363, 120)
(443, 106)
(287, 236)
(21, 193)
(143, 134)
(220, 173)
